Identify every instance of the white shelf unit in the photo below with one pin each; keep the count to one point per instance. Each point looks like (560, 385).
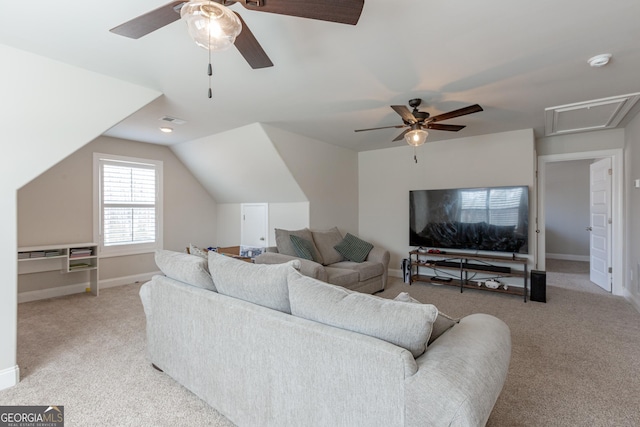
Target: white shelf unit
(67, 258)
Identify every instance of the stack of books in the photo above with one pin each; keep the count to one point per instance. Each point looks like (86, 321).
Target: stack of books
(36, 254)
(80, 252)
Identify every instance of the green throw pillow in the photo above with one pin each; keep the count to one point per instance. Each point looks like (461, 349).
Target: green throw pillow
(303, 248)
(353, 248)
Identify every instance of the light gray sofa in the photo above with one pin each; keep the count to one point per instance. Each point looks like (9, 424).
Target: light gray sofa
(230, 339)
(330, 266)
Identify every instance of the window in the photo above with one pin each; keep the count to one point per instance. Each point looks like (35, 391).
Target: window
(128, 196)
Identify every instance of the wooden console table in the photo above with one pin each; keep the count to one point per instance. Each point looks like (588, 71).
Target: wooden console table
(490, 266)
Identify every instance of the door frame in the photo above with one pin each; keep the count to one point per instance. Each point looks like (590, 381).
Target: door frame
(617, 211)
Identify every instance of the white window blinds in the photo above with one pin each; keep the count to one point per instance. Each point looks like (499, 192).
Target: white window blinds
(129, 200)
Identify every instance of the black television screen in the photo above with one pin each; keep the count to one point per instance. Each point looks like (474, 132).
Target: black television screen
(481, 219)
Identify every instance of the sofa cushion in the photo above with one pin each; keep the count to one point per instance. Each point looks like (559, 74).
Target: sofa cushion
(197, 251)
(325, 240)
(186, 268)
(341, 276)
(304, 248)
(442, 324)
(283, 240)
(353, 248)
(261, 284)
(405, 325)
(366, 270)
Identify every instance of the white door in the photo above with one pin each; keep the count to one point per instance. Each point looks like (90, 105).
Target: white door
(600, 227)
(254, 222)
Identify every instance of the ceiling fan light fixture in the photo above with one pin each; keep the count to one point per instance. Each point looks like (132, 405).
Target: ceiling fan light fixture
(416, 137)
(211, 25)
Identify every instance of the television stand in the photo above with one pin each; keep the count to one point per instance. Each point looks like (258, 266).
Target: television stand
(461, 268)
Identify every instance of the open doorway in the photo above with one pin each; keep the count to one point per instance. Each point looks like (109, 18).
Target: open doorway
(567, 241)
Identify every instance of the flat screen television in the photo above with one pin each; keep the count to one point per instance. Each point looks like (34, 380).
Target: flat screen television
(478, 219)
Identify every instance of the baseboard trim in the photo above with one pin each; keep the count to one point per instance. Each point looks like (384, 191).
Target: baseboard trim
(79, 288)
(126, 280)
(395, 273)
(568, 257)
(9, 377)
(58, 291)
(633, 299)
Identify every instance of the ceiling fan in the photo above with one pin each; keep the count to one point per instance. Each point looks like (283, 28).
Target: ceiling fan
(418, 121)
(340, 11)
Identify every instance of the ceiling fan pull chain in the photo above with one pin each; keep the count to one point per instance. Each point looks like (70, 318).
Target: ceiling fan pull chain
(210, 73)
(415, 156)
(209, 68)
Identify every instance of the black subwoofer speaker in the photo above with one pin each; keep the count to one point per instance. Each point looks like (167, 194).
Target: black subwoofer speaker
(538, 286)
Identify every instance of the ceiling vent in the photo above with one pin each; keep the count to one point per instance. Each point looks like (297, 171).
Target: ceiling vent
(600, 114)
(173, 120)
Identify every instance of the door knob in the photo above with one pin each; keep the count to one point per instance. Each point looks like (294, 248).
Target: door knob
(589, 229)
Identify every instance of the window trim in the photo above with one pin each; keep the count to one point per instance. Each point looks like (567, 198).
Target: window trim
(126, 249)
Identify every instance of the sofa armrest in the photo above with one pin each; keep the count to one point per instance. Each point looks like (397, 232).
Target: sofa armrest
(382, 256)
(462, 374)
(307, 267)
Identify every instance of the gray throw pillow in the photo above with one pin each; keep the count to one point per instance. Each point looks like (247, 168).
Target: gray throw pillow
(325, 240)
(283, 240)
(303, 248)
(190, 269)
(405, 325)
(442, 324)
(353, 248)
(262, 284)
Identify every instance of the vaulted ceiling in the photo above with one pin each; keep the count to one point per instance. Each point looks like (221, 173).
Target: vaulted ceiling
(513, 58)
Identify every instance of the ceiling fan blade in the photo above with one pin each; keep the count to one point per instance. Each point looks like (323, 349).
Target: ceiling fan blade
(456, 113)
(150, 21)
(401, 136)
(404, 112)
(438, 126)
(250, 49)
(383, 127)
(340, 11)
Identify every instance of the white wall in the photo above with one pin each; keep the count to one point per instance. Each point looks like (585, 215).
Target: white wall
(632, 211)
(240, 166)
(307, 183)
(387, 176)
(327, 174)
(289, 216)
(50, 109)
(580, 142)
(567, 210)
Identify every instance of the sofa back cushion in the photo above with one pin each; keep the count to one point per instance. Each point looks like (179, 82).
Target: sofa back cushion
(405, 325)
(442, 324)
(261, 284)
(285, 246)
(325, 240)
(190, 269)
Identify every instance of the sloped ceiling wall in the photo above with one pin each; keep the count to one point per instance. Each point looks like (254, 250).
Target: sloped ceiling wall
(260, 163)
(50, 109)
(240, 166)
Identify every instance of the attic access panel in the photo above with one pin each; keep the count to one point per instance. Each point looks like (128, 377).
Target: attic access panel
(604, 113)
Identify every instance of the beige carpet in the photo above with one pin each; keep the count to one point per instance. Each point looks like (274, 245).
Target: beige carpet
(575, 359)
